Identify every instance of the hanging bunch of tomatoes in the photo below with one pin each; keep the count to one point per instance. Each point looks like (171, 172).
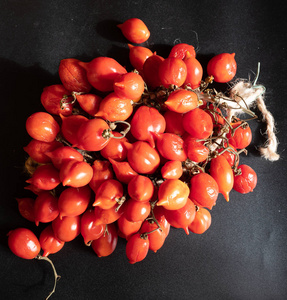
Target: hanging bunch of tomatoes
(127, 154)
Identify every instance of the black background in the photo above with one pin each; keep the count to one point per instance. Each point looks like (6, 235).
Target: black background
(243, 255)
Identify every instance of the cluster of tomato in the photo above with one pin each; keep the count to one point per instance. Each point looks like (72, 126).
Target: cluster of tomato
(128, 154)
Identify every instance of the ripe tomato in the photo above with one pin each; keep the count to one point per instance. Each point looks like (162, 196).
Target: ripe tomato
(180, 50)
(141, 188)
(108, 216)
(221, 171)
(159, 215)
(127, 228)
(123, 171)
(138, 55)
(230, 155)
(246, 181)
(136, 211)
(172, 169)
(181, 101)
(204, 190)
(23, 243)
(137, 248)
(90, 103)
(151, 70)
(222, 67)
(215, 114)
(102, 171)
(173, 194)
(42, 126)
(172, 71)
(73, 76)
(198, 123)
(174, 122)
(201, 222)
(26, 208)
(135, 30)
(194, 72)
(106, 244)
(195, 151)
(67, 228)
(242, 136)
(48, 242)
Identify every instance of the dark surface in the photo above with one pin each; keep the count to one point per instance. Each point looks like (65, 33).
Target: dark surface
(243, 255)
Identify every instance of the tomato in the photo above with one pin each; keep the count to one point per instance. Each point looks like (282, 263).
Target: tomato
(57, 100)
(204, 190)
(246, 181)
(215, 114)
(198, 123)
(108, 216)
(129, 86)
(64, 154)
(182, 217)
(222, 172)
(76, 173)
(106, 244)
(180, 50)
(201, 222)
(102, 71)
(135, 30)
(91, 135)
(181, 101)
(173, 194)
(45, 177)
(172, 169)
(194, 72)
(136, 211)
(195, 151)
(67, 228)
(74, 201)
(37, 150)
(141, 188)
(127, 228)
(42, 126)
(90, 103)
(23, 243)
(230, 155)
(222, 67)
(154, 122)
(26, 208)
(102, 171)
(172, 71)
(89, 230)
(123, 171)
(49, 243)
(241, 136)
(137, 248)
(138, 55)
(113, 108)
(142, 157)
(174, 122)
(108, 194)
(151, 71)
(73, 76)
(45, 208)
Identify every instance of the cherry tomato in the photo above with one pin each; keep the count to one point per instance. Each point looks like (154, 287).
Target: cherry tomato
(137, 248)
(154, 122)
(159, 215)
(174, 122)
(73, 76)
(180, 50)
(215, 114)
(138, 55)
(135, 30)
(194, 72)
(181, 101)
(204, 190)
(76, 173)
(49, 243)
(108, 216)
(102, 171)
(74, 201)
(230, 155)
(221, 171)
(141, 188)
(67, 228)
(172, 169)
(195, 151)
(106, 244)
(123, 171)
(136, 211)
(151, 70)
(172, 71)
(102, 71)
(241, 137)
(23, 243)
(42, 126)
(57, 100)
(127, 228)
(198, 123)
(246, 181)
(90, 103)
(45, 208)
(201, 222)
(173, 194)
(26, 208)
(222, 67)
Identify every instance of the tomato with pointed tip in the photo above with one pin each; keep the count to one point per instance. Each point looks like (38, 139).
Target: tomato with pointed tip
(172, 169)
(138, 55)
(67, 228)
(181, 101)
(141, 188)
(123, 170)
(180, 50)
(246, 181)
(23, 243)
(230, 154)
(136, 211)
(90, 103)
(201, 222)
(102, 170)
(108, 216)
(137, 248)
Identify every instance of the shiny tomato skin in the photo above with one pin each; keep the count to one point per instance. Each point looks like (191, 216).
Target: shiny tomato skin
(230, 155)
(151, 70)
(174, 122)
(67, 228)
(172, 169)
(138, 55)
(128, 228)
(246, 181)
(89, 102)
(23, 243)
(194, 73)
(137, 248)
(181, 101)
(108, 216)
(201, 222)
(141, 188)
(26, 208)
(136, 211)
(242, 136)
(102, 170)
(195, 151)
(180, 51)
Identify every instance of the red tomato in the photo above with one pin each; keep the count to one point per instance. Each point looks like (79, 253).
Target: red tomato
(102, 171)
(108, 216)
(246, 181)
(138, 55)
(174, 122)
(241, 137)
(128, 228)
(151, 70)
(180, 50)
(49, 243)
(181, 101)
(198, 123)
(172, 71)
(90, 103)
(159, 215)
(222, 67)
(123, 171)
(23, 243)
(195, 151)
(194, 72)
(172, 169)
(67, 228)
(215, 114)
(173, 194)
(137, 248)
(136, 211)
(221, 171)
(135, 30)
(26, 208)
(141, 188)
(42, 126)
(201, 222)
(230, 155)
